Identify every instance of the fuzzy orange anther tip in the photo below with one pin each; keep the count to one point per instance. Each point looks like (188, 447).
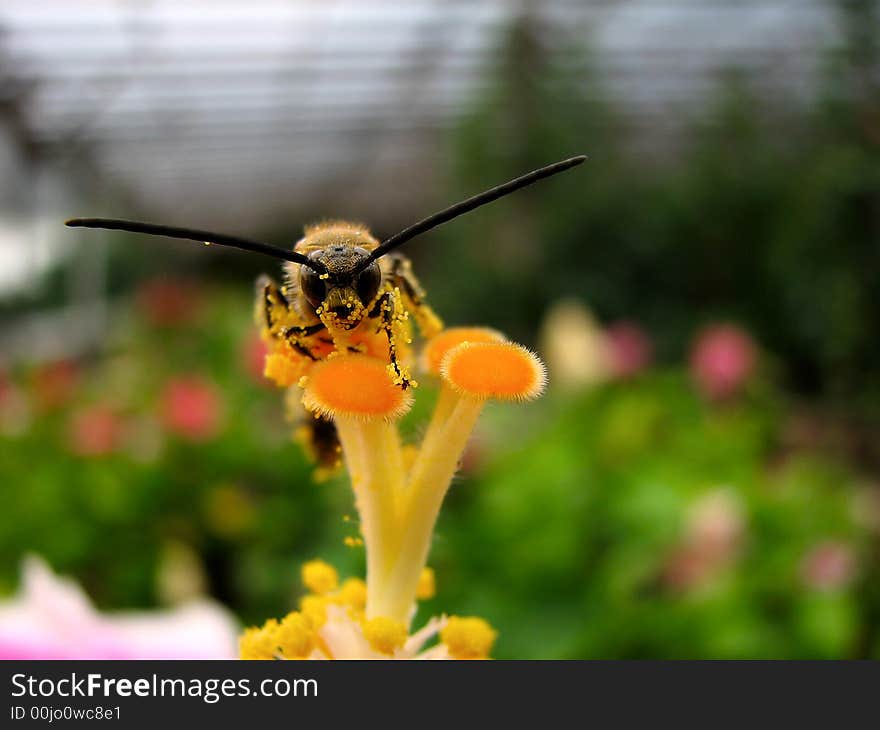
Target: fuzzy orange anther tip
(501, 370)
(436, 349)
(354, 386)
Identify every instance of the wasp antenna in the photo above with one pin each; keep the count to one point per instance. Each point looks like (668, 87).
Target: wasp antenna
(191, 234)
(466, 206)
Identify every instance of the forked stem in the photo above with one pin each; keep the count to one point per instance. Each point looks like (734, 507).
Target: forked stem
(427, 486)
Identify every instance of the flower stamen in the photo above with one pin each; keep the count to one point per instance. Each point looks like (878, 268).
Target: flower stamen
(472, 372)
(357, 393)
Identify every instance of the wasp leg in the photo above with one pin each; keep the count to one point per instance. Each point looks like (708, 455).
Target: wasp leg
(413, 294)
(275, 315)
(296, 334)
(384, 309)
(272, 309)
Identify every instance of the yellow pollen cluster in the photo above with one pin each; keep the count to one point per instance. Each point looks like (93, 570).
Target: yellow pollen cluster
(295, 636)
(319, 577)
(468, 637)
(282, 369)
(259, 643)
(314, 608)
(314, 631)
(385, 634)
(354, 593)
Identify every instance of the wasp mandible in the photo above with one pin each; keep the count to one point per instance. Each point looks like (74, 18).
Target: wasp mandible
(342, 285)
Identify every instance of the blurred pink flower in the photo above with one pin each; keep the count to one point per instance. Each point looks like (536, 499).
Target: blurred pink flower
(830, 564)
(629, 349)
(722, 359)
(168, 302)
(191, 407)
(52, 618)
(253, 355)
(94, 431)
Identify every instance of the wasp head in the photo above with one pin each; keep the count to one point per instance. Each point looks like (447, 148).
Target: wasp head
(345, 288)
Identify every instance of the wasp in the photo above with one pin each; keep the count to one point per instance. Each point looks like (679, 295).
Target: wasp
(342, 288)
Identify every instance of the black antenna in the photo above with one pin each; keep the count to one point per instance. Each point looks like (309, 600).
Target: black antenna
(466, 206)
(191, 234)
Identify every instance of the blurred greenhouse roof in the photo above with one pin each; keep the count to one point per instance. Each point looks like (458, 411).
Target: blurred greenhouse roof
(231, 111)
(167, 95)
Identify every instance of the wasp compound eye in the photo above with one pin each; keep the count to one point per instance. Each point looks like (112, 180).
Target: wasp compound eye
(312, 286)
(368, 282)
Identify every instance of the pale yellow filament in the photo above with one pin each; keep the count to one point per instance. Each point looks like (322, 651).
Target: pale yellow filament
(375, 462)
(429, 481)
